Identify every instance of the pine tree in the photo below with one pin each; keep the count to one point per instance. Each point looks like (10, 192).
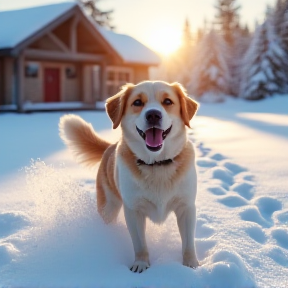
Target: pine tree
(265, 65)
(242, 40)
(210, 71)
(279, 16)
(227, 18)
(103, 18)
(284, 32)
(201, 31)
(227, 24)
(281, 22)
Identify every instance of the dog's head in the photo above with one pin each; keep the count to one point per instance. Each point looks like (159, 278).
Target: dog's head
(153, 116)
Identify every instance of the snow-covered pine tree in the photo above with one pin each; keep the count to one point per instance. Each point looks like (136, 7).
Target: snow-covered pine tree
(209, 79)
(281, 22)
(265, 65)
(103, 18)
(279, 15)
(227, 25)
(242, 38)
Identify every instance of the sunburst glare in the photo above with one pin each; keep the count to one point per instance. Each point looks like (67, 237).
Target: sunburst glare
(165, 39)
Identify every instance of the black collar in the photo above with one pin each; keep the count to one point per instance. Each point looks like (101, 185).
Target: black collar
(158, 163)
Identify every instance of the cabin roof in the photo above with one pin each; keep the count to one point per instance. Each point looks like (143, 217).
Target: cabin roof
(16, 26)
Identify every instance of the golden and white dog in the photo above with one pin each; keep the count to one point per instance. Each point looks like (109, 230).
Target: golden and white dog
(151, 170)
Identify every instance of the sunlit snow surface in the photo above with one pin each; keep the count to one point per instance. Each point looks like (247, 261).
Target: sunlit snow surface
(51, 234)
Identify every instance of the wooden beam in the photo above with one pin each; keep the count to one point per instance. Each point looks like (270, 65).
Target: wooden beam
(19, 81)
(103, 81)
(49, 27)
(91, 27)
(73, 33)
(58, 42)
(61, 56)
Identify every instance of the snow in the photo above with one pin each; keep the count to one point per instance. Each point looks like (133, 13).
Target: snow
(28, 106)
(9, 107)
(51, 234)
(131, 50)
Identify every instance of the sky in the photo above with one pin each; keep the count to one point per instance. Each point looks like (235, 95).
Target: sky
(156, 23)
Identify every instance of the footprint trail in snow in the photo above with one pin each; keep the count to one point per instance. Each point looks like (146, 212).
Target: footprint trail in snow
(260, 221)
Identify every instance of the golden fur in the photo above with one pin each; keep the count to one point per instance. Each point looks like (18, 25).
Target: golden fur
(87, 146)
(149, 191)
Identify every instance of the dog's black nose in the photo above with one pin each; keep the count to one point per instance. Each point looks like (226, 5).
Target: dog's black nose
(153, 116)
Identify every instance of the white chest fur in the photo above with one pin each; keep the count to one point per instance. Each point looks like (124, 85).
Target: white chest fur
(159, 190)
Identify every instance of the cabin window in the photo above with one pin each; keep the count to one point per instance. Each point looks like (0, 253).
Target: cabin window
(117, 77)
(111, 75)
(71, 72)
(31, 70)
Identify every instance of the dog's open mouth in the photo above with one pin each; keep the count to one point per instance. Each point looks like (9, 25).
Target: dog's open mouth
(154, 137)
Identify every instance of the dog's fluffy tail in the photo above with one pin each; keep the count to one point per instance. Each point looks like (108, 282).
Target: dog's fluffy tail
(82, 140)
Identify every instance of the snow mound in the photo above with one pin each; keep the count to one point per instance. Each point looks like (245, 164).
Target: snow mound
(203, 230)
(256, 233)
(277, 254)
(11, 222)
(218, 157)
(206, 162)
(7, 253)
(281, 236)
(233, 167)
(252, 214)
(268, 205)
(282, 217)
(245, 189)
(217, 190)
(222, 174)
(233, 201)
(230, 271)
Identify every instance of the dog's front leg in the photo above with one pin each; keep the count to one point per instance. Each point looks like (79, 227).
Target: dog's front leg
(186, 219)
(136, 223)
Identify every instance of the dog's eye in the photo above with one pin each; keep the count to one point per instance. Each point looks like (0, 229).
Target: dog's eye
(167, 102)
(138, 102)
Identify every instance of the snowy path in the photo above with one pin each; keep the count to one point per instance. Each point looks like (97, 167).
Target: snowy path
(51, 235)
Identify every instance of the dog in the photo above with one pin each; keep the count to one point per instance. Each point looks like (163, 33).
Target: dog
(150, 170)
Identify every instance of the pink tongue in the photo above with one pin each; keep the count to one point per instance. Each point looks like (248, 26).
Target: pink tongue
(154, 137)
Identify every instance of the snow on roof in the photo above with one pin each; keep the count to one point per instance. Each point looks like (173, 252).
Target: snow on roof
(17, 25)
(131, 50)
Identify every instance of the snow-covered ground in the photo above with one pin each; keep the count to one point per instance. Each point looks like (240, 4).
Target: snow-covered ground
(52, 236)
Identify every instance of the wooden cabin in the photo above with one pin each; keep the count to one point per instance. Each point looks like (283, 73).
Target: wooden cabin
(55, 57)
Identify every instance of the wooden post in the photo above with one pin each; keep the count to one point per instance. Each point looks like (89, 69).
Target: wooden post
(2, 97)
(87, 83)
(19, 81)
(103, 81)
(73, 34)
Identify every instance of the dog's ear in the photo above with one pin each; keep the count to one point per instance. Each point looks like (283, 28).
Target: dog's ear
(115, 105)
(188, 106)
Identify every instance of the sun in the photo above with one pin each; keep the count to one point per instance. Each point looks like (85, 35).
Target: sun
(165, 40)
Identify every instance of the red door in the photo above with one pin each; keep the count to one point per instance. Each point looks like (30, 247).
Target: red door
(51, 85)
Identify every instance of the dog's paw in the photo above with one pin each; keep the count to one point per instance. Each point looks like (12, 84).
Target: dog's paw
(139, 266)
(192, 263)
